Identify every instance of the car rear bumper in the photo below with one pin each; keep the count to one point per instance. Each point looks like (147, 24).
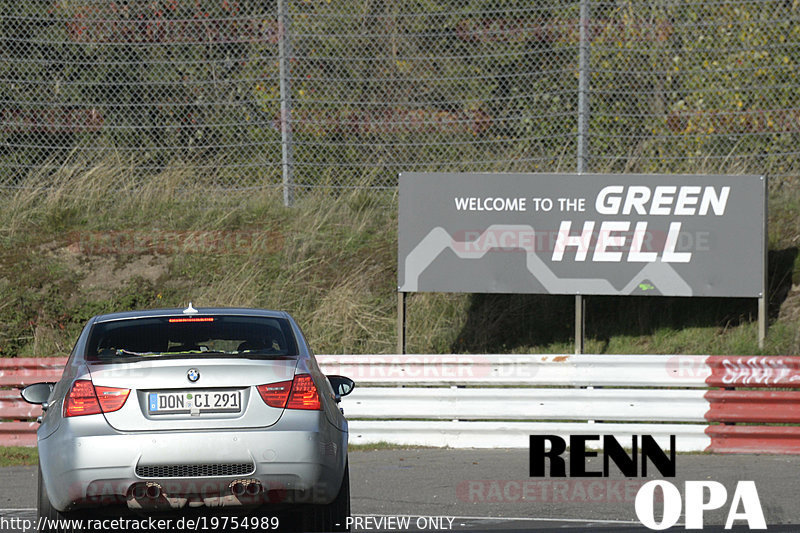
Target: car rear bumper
(292, 461)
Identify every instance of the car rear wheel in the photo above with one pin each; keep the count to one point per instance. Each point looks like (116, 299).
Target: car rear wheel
(333, 516)
(51, 519)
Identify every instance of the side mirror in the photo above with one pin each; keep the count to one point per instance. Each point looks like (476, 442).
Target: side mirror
(342, 386)
(38, 393)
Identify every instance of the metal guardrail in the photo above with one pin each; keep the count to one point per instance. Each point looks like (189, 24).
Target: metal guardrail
(17, 417)
(648, 405)
(498, 400)
(18, 372)
(522, 370)
(708, 402)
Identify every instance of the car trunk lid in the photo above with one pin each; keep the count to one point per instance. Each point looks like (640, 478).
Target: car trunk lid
(193, 393)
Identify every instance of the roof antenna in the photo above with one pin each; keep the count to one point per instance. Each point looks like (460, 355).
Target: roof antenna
(190, 310)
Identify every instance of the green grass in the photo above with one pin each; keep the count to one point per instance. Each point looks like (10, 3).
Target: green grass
(25, 456)
(77, 246)
(18, 456)
(378, 446)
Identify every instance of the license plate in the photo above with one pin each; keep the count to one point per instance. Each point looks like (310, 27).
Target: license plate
(194, 402)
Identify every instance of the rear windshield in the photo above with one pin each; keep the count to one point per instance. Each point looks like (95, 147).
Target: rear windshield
(196, 336)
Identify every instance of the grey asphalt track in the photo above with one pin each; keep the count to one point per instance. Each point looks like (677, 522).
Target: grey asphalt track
(490, 490)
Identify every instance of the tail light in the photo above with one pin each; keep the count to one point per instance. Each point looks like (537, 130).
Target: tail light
(300, 393)
(275, 394)
(304, 394)
(86, 399)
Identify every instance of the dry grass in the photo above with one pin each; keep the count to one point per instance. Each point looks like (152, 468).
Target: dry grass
(330, 261)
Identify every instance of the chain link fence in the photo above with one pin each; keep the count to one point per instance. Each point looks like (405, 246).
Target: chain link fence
(334, 94)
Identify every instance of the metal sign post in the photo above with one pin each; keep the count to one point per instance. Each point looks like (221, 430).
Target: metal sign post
(580, 323)
(401, 322)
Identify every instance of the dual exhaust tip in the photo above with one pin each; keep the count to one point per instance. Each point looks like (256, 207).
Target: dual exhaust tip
(239, 488)
(246, 487)
(150, 491)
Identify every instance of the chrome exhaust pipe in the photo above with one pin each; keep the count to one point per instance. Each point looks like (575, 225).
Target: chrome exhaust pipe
(253, 488)
(153, 491)
(139, 491)
(246, 487)
(238, 488)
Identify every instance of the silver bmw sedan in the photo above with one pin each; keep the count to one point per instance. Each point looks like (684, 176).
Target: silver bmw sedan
(161, 412)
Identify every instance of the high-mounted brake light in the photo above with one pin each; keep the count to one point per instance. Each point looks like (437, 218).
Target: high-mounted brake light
(300, 393)
(86, 399)
(198, 319)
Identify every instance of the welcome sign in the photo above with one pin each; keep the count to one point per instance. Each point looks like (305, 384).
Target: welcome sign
(671, 235)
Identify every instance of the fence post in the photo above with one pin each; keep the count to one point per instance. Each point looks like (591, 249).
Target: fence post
(284, 56)
(763, 299)
(583, 126)
(583, 88)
